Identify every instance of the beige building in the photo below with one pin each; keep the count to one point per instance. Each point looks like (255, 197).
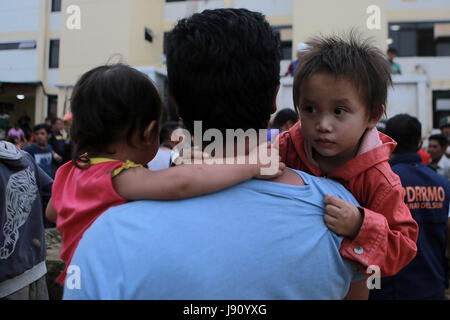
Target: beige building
(45, 45)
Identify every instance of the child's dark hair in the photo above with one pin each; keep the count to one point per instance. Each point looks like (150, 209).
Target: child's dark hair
(223, 67)
(406, 131)
(42, 126)
(109, 103)
(348, 56)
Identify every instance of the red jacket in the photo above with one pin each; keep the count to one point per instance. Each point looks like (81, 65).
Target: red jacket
(388, 235)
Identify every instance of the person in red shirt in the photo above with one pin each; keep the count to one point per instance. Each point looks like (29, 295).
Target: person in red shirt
(425, 156)
(340, 92)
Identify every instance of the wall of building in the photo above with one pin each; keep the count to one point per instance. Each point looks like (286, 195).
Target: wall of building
(114, 30)
(327, 17)
(20, 21)
(148, 14)
(104, 36)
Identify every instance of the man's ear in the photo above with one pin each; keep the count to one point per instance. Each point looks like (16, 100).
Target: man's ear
(274, 101)
(151, 130)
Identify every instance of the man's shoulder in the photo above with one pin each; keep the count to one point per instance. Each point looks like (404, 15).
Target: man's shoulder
(445, 161)
(35, 147)
(418, 174)
(31, 148)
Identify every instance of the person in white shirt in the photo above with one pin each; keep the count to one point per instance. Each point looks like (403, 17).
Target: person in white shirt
(437, 146)
(164, 157)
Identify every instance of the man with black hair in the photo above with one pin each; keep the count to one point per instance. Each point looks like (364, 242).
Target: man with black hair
(255, 240)
(283, 120)
(427, 196)
(41, 150)
(437, 146)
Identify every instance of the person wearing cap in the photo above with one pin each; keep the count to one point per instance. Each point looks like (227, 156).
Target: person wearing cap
(301, 47)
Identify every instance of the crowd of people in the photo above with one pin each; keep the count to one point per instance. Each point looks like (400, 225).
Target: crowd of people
(47, 142)
(344, 198)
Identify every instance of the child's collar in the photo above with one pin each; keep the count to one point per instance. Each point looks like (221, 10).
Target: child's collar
(370, 141)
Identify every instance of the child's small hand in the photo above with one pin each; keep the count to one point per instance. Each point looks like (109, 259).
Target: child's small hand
(342, 217)
(269, 163)
(281, 167)
(196, 154)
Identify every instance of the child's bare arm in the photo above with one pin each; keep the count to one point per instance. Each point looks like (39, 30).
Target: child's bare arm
(50, 212)
(342, 217)
(183, 181)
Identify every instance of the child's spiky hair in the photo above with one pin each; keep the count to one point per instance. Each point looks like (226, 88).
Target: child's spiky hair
(348, 56)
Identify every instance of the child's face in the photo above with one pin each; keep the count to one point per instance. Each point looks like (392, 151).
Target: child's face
(333, 117)
(41, 136)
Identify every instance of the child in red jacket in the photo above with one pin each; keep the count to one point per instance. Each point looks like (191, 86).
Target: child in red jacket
(340, 92)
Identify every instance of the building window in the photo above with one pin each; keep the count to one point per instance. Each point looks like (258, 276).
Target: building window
(148, 34)
(419, 39)
(54, 54)
(18, 45)
(284, 33)
(56, 6)
(443, 47)
(52, 106)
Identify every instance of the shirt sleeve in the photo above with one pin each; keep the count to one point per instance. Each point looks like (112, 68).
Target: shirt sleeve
(95, 269)
(387, 238)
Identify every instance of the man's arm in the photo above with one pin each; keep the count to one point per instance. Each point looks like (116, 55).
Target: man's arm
(50, 212)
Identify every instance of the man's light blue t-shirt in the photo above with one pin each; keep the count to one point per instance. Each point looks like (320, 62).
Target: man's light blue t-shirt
(256, 240)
